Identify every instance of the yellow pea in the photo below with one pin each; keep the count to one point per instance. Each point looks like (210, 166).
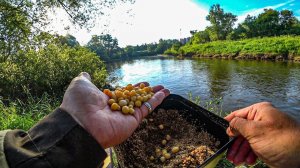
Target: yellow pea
(125, 109)
(131, 103)
(175, 149)
(145, 98)
(131, 111)
(115, 107)
(142, 85)
(162, 159)
(138, 103)
(147, 89)
(151, 158)
(120, 98)
(168, 137)
(133, 98)
(161, 126)
(157, 152)
(164, 142)
(140, 91)
(113, 95)
(140, 98)
(111, 101)
(132, 93)
(129, 87)
(124, 96)
(118, 93)
(126, 92)
(122, 102)
(167, 155)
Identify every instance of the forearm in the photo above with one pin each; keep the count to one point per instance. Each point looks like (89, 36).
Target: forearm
(56, 141)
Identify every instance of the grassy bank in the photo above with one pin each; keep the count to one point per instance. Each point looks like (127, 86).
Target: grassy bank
(273, 48)
(18, 114)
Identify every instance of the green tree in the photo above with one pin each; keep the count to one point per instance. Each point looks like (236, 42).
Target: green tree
(246, 29)
(21, 20)
(69, 40)
(268, 23)
(221, 22)
(200, 37)
(104, 46)
(15, 28)
(287, 21)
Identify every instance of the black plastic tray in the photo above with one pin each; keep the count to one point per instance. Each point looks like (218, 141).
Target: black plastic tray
(203, 119)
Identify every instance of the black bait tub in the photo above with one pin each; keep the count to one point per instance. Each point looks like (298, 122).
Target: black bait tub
(203, 119)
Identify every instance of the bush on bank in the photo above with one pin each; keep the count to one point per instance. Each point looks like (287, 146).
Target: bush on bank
(48, 70)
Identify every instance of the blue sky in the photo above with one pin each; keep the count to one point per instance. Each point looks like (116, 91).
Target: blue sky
(241, 7)
(147, 21)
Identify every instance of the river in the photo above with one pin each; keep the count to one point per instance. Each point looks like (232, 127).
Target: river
(239, 83)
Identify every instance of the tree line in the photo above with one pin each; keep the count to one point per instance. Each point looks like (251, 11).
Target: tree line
(267, 24)
(107, 47)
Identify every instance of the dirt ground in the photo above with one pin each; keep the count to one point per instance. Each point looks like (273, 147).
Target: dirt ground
(145, 147)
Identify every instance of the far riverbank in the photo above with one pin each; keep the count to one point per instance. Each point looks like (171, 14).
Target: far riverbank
(281, 48)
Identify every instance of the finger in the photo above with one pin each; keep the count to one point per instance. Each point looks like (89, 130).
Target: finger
(242, 153)
(138, 115)
(155, 100)
(85, 75)
(234, 148)
(242, 126)
(138, 84)
(251, 158)
(232, 132)
(238, 113)
(157, 88)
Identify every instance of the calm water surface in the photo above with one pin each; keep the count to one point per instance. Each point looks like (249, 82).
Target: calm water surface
(239, 83)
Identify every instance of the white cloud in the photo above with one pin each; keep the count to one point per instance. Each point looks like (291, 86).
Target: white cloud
(255, 12)
(147, 21)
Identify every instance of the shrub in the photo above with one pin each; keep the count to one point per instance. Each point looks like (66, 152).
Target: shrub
(49, 69)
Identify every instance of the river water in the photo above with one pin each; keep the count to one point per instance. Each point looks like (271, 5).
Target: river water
(240, 83)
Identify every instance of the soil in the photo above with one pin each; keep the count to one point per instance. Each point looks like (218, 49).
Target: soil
(195, 145)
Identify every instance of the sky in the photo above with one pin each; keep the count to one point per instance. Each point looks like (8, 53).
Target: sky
(147, 21)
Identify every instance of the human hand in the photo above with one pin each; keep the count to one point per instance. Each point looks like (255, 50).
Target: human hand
(88, 106)
(265, 132)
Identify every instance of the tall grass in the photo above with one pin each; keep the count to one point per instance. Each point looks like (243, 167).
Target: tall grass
(20, 114)
(214, 105)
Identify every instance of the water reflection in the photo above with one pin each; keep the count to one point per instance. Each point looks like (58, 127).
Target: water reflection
(240, 83)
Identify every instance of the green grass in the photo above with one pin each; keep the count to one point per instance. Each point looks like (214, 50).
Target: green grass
(20, 114)
(255, 48)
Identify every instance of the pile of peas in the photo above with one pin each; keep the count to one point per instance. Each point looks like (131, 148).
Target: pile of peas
(126, 98)
(164, 154)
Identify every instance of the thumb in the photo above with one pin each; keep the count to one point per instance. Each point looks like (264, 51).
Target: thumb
(240, 126)
(86, 75)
